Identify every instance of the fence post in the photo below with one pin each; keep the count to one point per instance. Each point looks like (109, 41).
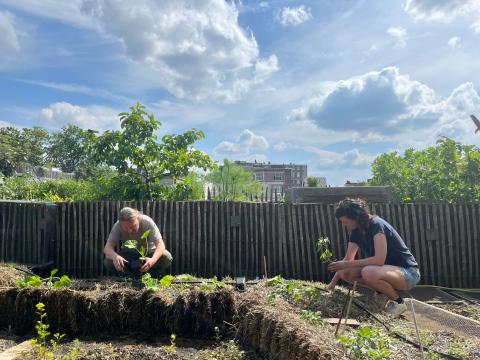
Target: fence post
(50, 231)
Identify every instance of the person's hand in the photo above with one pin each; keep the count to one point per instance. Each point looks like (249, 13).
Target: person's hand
(119, 263)
(337, 265)
(147, 265)
(331, 286)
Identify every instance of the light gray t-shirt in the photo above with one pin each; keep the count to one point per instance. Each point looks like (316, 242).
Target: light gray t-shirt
(146, 223)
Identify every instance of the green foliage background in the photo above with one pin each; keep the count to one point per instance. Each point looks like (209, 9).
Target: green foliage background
(446, 173)
(126, 164)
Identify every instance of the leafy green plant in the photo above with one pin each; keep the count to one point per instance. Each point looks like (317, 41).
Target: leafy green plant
(51, 281)
(323, 248)
(366, 343)
(275, 281)
(312, 317)
(186, 277)
(155, 284)
(291, 290)
(210, 286)
(132, 244)
(42, 347)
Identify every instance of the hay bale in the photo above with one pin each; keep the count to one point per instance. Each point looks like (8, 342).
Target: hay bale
(276, 332)
(9, 275)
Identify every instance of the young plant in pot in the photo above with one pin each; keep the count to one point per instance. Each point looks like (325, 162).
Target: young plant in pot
(135, 265)
(324, 250)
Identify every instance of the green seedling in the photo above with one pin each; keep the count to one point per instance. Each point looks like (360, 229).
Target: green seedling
(323, 248)
(172, 348)
(155, 284)
(132, 244)
(44, 348)
(210, 286)
(366, 343)
(51, 281)
(312, 317)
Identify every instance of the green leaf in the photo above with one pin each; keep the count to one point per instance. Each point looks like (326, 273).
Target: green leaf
(53, 272)
(130, 244)
(166, 280)
(146, 234)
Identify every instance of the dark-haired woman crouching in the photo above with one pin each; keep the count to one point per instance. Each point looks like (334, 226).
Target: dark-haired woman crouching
(389, 265)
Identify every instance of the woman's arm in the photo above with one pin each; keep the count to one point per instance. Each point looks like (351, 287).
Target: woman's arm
(350, 254)
(380, 245)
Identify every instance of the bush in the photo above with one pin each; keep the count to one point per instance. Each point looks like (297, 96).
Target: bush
(26, 187)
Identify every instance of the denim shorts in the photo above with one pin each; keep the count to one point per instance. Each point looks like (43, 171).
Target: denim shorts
(411, 275)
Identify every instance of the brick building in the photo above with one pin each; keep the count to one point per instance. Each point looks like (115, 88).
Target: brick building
(277, 176)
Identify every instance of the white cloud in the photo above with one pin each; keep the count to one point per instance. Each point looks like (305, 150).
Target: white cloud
(81, 89)
(454, 42)
(243, 147)
(5, 124)
(63, 11)
(378, 101)
(476, 27)
(194, 49)
(294, 16)
(281, 146)
(92, 117)
(350, 158)
(388, 106)
(399, 34)
(9, 42)
(441, 10)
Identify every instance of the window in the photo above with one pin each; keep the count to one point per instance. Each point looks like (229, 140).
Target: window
(277, 177)
(259, 176)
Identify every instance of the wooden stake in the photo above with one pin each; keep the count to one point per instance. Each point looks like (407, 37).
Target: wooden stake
(350, 304)
(265, 267)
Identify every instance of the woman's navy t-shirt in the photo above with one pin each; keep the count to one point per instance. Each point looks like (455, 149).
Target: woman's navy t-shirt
(397, 252)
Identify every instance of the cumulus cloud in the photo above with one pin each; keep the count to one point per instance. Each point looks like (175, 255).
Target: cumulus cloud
(244, 146)
(386, 105)
(441, 10)
(293, 16)
(9, 42)
(454, 42)
(195, 48)
(476, 26)
(93, 117)
(377, 101)
(350, 158)
(399, 34)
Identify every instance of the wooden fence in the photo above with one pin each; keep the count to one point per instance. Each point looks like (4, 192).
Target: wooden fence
(233, 238)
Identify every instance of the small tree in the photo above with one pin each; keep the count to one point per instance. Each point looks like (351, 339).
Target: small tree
(234, 182)
(21, 147)
(313, 181)
(142, 162)
(71, 151)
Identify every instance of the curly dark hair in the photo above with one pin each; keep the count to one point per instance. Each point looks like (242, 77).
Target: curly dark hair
(355, 209)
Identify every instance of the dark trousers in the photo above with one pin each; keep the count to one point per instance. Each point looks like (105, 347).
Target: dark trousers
(132, 268)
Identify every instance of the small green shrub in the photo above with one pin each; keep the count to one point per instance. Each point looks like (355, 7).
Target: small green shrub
(312, 317)
(46, 349)
(155, 284)
(52, 281)
(366, 343)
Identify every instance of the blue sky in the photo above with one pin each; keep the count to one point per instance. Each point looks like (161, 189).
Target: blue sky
(330, 84)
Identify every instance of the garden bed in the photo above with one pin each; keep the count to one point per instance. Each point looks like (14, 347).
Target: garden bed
(274, 319)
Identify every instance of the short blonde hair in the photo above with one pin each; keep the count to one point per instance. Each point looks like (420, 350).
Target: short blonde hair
(128, 214)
